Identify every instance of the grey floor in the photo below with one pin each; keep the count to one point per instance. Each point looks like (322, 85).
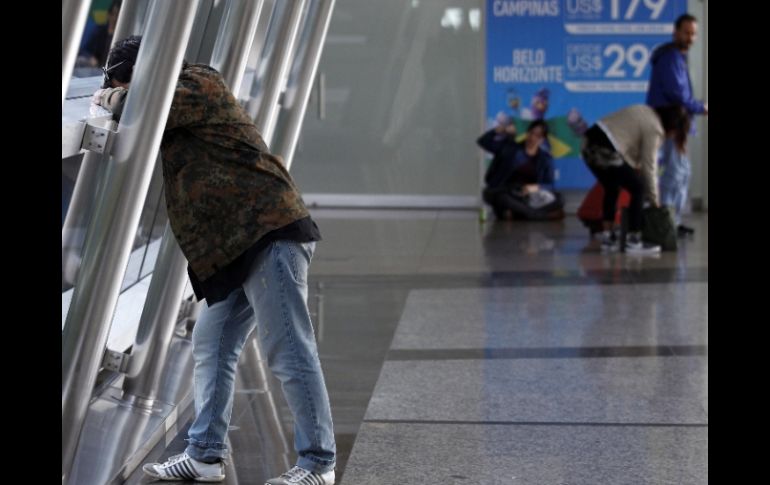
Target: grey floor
(459, 352)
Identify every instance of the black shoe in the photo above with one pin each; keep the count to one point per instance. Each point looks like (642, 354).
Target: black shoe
(504, 215)
(682, 231)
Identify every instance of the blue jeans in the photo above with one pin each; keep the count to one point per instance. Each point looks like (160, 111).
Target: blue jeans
(675, 179)
(274, 299)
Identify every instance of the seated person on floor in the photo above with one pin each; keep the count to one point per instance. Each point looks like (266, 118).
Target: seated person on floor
(519, 181)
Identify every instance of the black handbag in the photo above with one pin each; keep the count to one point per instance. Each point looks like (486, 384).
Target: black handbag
(658, 227)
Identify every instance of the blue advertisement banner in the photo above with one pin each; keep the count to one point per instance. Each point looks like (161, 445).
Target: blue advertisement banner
(570, 62)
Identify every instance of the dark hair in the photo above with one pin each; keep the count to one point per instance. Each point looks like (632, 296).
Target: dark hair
(675, 120)
(121, 60)
(685, 17)
(540, 123)
(115, 5)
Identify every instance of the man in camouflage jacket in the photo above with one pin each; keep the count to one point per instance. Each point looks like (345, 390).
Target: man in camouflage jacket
(240, 221)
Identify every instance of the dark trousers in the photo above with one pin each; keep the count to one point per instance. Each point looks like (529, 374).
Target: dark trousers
(612, 179)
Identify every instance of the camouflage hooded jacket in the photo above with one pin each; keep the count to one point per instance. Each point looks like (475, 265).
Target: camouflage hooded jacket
(224, 191)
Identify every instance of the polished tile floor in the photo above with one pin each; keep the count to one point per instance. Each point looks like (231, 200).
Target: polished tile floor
(460, 352)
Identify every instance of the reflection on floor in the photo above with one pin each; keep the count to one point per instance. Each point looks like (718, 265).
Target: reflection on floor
(512, 353)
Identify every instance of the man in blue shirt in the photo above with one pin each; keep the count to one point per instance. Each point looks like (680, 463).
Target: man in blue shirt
(670, 84)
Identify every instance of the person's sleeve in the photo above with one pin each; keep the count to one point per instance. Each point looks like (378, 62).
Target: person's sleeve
(548, 177)
(648, 159)
(112, 99)
(675, 82)
(491, 142)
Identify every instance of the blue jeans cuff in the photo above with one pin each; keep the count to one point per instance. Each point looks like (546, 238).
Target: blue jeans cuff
(315, 465)
(201, 451)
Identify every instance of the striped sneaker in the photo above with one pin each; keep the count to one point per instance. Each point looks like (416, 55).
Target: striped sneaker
(300, 476)
(182, 467)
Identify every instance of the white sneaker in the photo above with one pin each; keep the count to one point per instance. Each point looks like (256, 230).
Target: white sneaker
(182, 467)
(609, 241)
(300, 476)
(634, 245)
